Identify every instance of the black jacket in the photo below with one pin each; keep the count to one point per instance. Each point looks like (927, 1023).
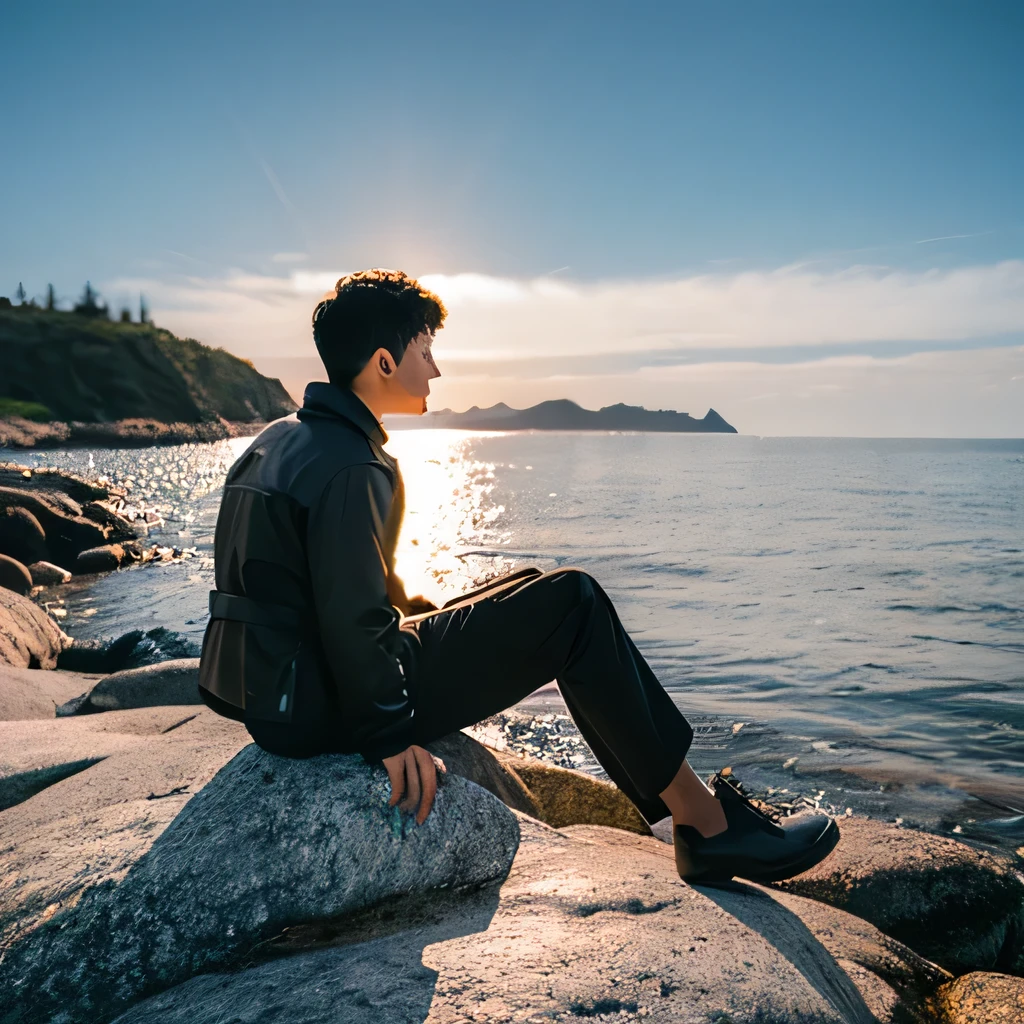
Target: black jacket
(303, 629)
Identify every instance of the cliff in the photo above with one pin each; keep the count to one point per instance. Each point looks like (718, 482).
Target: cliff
(562, 414)
(63, 367)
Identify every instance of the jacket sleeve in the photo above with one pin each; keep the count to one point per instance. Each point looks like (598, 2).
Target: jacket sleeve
(359, 627)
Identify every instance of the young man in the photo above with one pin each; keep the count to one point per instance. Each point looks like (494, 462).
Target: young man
(315, 646)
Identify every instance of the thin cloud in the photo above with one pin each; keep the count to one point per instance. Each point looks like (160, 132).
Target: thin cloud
(945, 238)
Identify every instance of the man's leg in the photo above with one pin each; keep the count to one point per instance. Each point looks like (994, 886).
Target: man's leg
(480, 656)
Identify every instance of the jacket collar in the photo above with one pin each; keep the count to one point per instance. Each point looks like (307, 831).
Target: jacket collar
(324, 400)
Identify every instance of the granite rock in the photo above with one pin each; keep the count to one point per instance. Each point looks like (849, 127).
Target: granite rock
(29, 638)
(166, 860)
(14, 576)
(981, 998)
(46, 574)
(957, 904)
(160, 684)
(590, 921)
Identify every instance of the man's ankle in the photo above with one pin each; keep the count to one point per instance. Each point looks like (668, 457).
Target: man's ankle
(707, 824)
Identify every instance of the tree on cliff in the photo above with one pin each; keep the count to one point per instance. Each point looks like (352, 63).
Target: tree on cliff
(51, 298)
(143, 310)
(87, 304)
(20, 294)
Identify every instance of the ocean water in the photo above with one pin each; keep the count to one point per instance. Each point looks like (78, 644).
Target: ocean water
(837, 617)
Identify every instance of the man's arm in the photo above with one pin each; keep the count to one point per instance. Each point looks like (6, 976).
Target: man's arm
(358, 623)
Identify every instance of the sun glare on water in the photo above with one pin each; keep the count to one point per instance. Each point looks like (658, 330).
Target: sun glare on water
(451, 535)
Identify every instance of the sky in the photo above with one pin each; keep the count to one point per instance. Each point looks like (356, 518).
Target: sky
(808, 216)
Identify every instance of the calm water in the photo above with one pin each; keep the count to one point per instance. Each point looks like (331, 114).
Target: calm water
(843, 616)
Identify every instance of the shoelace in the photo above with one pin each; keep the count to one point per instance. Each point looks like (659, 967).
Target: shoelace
(719, 781)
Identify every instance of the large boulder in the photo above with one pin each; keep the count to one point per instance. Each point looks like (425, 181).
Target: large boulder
(21, 536)
(590, 921)
(14, 575)
(959, 905)
(169, 859)
(980, 998)
(29, 638)
(166, 682)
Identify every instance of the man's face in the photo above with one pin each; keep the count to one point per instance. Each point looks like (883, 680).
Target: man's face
(415, 372)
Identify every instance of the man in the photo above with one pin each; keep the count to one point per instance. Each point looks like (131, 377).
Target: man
(315, 646)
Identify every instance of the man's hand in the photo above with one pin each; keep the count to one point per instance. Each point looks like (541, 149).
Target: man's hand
(413, 773)
(418, 605)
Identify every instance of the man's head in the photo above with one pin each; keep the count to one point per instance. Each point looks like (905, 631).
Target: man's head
(374, 333)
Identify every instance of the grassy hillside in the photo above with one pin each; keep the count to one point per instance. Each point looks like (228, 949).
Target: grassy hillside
(93, 370)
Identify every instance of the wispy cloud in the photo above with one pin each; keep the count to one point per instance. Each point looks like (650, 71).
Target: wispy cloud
(542, 318)
(945, 238)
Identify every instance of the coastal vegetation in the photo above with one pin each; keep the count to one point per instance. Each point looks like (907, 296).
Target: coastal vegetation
(74, 375)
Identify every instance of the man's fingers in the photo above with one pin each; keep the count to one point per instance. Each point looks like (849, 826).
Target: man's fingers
(412, 781)
(428, 777)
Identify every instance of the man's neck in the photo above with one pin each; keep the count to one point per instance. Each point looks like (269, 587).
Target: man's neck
(377, 416)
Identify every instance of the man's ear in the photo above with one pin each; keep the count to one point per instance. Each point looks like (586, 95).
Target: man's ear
(384, 361)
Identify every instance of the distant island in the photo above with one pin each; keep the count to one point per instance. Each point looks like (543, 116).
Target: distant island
(78, 377)
(563, 414)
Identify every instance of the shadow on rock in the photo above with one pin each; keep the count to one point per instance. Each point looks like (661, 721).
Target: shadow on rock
(268, 843)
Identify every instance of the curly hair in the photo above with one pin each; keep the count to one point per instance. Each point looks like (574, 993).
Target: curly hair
(369, 310)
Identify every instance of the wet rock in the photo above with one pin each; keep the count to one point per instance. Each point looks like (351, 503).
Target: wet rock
(981, 998)
(165, 683)
(165, 861)
(14, 576)
(28, 636)
(46, 574)
(104, 558)
(960, 905)
(130, 650)
(590, 923)
(67, 530)
(21, 536)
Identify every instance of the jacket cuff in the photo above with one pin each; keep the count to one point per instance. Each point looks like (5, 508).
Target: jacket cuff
(399, 739)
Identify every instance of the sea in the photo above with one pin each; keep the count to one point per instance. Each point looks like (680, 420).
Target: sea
(838, 618)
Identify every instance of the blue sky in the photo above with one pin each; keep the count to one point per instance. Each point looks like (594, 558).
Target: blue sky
(835, 177)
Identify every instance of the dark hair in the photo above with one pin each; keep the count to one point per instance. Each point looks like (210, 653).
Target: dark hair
(369, 310)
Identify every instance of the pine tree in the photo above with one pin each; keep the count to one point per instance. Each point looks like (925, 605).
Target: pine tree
(143, 310)
(20, 294)
(51, 298)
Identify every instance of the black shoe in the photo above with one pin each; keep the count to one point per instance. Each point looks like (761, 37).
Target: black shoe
(755, 845)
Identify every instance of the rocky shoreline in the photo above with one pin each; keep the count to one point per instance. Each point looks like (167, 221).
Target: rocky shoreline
(156, 865)
(19, 433)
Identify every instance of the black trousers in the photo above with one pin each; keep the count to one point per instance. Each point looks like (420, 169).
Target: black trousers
(489, 649)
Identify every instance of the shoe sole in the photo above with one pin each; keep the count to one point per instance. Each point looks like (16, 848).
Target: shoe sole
(814, 854)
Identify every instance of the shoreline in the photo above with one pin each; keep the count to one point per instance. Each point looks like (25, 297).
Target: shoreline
(20, 435)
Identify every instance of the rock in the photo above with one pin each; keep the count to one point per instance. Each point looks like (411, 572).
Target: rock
(130, 650)
(104, 558)
(167, 682)
(556, 796)
(590, 921)
(167, 860)
(567, 797)
(67, 531)
(46, 574)
(959, 905)
(21, 536)
(981, 998)
(49, 478)
(27, 693)
(37, 753)
(28, 636)
(14, 576)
